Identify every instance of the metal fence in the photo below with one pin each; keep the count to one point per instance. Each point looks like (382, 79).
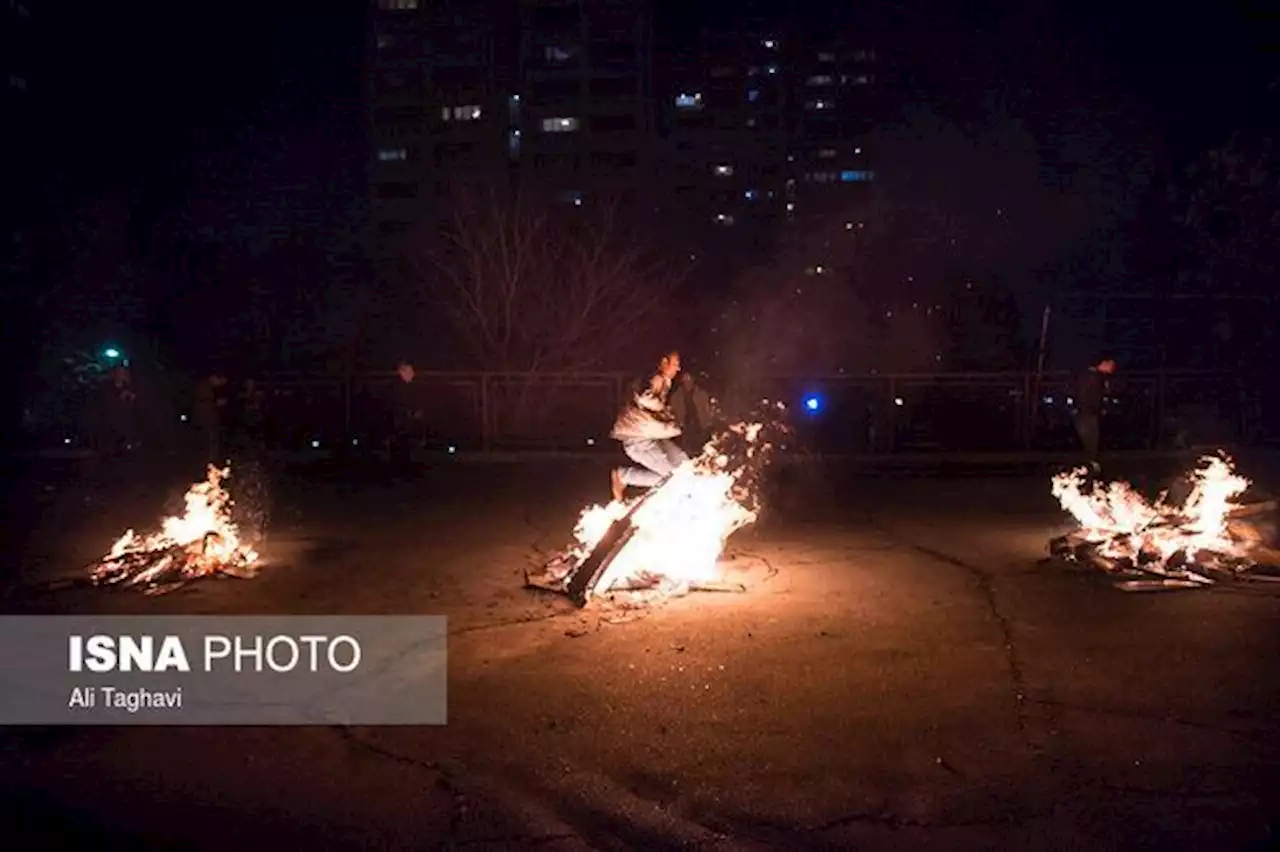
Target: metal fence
(946, 412)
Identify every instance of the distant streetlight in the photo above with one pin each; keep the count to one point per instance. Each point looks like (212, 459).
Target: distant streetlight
(111, 352)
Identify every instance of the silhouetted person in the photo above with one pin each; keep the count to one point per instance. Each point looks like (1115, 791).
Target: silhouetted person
(692, 407)
(1090, 398)
(120, 414)
(647, 429)
(249, 420)
(212, 411)
(407, 418)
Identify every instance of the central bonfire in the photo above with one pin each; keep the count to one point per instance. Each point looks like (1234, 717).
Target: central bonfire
(670, 539)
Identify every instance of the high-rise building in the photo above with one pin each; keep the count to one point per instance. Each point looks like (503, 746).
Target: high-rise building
(768, 123)
(548, 98)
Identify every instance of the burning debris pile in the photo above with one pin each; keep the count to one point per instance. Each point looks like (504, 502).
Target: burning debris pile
(1172, 543)
(202, 542)
(670, 539)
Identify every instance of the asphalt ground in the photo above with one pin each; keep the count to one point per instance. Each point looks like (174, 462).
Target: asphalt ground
(903, 671)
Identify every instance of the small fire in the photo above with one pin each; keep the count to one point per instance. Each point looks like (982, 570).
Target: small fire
(1122, 525)
(201, 542)
(681, 528)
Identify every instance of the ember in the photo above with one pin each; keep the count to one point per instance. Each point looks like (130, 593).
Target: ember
(202, 542)
(670, 539)
(1168, 544)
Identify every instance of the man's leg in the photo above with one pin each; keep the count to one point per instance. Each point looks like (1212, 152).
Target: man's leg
(674, 454)
(1087, 429)
(653, 463)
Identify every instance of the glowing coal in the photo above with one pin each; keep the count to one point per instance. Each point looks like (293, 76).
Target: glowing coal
(201, 542)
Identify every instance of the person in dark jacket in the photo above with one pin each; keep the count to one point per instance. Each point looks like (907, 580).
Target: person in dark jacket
(693, 407)
(407, 418)
(1090, 397)
(121, 413)
(212, 411)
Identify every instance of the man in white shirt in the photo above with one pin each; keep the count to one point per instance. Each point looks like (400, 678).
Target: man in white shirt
(647, 429)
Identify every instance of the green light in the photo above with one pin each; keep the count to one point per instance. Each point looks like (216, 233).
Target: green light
(112, 353)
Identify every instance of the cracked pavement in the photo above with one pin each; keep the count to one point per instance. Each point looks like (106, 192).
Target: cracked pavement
(901, 671)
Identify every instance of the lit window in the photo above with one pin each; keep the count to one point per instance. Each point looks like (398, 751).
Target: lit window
(819, 80)
(723, 170)
(558, 55)
(826, 153)
(857, 150)
(397, 5)
(392, 155)
(771, 44)
(560, 125)
(791, 206)
(854, 176)
(855, 79)
(513, 144)
(687, 101)
(753, 95)
(772, 69)
(818, 104)
(864, 56)
(572, 196)
(826, 57)
(470, 112)
(750, 195)
(724, 219)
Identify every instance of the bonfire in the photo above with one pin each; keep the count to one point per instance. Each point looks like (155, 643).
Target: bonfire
(202, 542)
(1168, 543)
(670, 539)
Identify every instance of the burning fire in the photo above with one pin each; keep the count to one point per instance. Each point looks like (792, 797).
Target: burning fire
(1120, 524)
(201, 542)
(680, 528)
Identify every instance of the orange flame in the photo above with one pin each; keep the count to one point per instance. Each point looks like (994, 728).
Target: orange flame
(1124, 525)
(201, 541)
(681, 529)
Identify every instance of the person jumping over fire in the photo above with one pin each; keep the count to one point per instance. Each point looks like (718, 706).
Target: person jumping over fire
(646, 427)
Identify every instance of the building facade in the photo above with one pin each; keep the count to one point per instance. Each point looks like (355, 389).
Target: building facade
(550, 99)
(766, 124)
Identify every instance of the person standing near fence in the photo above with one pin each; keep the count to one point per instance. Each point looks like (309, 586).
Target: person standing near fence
(647, 429)
(212, 411)
(692, 406)
(407, 419)
(1090, 398)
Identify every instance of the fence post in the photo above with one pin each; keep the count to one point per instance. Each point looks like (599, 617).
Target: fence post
(1157, 427)
(890, 423)
(486, 440)
(346, 406)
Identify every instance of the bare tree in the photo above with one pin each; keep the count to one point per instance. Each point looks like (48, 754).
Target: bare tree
(524, 289)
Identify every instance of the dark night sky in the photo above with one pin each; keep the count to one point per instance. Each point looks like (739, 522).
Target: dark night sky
(259, 101)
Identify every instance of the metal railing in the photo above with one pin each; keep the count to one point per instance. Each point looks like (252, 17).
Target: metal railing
(943, 412)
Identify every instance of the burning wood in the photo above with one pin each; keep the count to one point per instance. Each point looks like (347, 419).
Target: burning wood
(1167, 544)
(670, 539)
(202, 542)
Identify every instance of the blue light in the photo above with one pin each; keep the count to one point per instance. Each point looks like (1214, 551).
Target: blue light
(812, 403)
(855, 175)
(111, 352)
